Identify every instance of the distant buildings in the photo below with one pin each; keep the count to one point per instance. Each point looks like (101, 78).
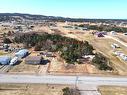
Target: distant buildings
(101, 34)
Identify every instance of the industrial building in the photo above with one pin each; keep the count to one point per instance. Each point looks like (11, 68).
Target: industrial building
(22, 53)
(4, 60)
(33, 60)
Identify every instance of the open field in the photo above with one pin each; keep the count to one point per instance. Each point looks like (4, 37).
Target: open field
(102, 45)
(31, 89)
(112, 90)
(122, 37)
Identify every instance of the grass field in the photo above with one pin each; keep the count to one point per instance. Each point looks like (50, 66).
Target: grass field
(112, 90)
(31, 89)
(103, 45)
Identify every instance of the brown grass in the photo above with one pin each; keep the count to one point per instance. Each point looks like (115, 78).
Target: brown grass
(112, 90)
(31, 89)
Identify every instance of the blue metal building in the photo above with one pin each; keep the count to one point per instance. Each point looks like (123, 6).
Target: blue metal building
(22, 53)
(4, 60)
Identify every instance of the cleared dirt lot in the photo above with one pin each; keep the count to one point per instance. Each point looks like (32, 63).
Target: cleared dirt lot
(31, 89)
(111, 90)
(24, 68)
(59, 66)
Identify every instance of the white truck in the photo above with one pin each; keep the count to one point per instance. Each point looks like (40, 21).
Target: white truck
(14, 61)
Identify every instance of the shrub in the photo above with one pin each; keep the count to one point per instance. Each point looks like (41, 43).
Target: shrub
(101, 62)
(7, 41)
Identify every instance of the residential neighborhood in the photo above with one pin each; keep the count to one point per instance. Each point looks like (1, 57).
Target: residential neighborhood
(64, 47)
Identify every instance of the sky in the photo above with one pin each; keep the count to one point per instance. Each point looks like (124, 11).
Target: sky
(106, 9)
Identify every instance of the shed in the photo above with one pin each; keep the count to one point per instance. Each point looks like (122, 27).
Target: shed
(113, 33)
(4, 60)
(22, 53)
(115, 46)
(49, 54)
(33, 60)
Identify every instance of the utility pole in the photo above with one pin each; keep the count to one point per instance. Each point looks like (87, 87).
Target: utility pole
(76, 82)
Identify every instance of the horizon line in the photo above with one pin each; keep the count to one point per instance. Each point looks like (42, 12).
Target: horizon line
(64, 16)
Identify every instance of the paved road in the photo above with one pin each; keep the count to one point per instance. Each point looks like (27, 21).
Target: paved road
(72, 80)
(87, 85)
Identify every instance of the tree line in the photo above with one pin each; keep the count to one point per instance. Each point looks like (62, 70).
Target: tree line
(105, 28)
(70, 49)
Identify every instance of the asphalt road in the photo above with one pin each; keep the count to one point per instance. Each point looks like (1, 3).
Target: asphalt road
(72, 80)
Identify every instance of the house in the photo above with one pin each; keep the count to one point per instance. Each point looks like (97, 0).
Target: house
(121, 55)
(5, 47)
(33, 60)
(84, 28)
(113, 33)
(115, 46)
(118, 53)
(99, 34)
(90, 57)
(125, 58)
(4, 60)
